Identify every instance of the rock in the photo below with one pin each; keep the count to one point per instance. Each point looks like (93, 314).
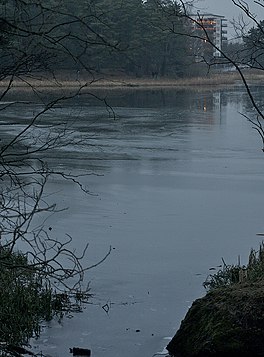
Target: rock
(76, 351)
(226, 322)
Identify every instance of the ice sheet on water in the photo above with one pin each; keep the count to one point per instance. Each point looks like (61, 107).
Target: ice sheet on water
(164, 352)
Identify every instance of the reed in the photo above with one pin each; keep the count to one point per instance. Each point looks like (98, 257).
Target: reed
(63, 82)
(26, 300)
(230, 275)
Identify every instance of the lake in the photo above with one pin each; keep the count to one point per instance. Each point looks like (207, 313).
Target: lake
(176, 182)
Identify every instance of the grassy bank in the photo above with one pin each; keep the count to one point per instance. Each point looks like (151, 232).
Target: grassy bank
(229, 319)
(67, 81)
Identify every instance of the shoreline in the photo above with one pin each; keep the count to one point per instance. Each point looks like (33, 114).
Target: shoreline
(62, 82)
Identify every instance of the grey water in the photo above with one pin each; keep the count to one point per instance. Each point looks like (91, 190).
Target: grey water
(176, 184)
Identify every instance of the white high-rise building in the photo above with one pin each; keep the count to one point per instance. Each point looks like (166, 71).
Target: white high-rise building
(213, 26)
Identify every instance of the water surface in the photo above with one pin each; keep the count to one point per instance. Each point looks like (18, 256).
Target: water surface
(177, 184)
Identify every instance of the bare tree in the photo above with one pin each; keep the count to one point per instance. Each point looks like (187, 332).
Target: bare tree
(40, 43)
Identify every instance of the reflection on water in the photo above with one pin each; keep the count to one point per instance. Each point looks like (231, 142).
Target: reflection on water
(180, 185)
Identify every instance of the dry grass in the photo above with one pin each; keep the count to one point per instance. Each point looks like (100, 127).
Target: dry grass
(230, 275)
(214, 80)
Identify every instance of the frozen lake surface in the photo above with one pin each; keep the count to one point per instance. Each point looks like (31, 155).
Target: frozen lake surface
(177, 182)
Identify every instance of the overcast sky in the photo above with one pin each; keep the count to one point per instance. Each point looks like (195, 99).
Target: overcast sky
(229, 10)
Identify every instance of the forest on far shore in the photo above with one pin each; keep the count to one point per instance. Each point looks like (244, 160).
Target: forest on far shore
(136, 38)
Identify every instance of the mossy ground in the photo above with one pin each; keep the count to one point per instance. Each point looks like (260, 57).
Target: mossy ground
(229, 320)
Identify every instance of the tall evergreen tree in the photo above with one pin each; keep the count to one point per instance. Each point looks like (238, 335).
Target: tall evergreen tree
(253, 52)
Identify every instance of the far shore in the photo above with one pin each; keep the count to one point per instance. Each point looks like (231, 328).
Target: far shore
(67, 81)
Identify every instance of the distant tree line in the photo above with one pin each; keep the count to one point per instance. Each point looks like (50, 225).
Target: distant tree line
(144, 35)
(135, 37)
